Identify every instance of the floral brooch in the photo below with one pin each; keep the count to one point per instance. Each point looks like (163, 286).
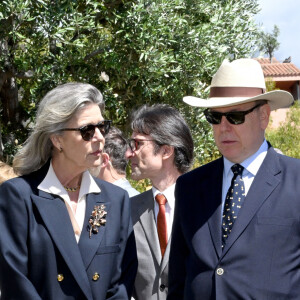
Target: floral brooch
(97, 219)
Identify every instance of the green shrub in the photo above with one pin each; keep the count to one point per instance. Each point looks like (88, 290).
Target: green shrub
(287, 136)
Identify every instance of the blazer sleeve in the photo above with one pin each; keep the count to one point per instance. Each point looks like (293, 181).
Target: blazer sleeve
(127, 259)
(14, 281)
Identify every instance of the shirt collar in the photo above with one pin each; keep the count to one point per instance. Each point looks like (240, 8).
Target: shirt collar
(120, 181)
(52, 185)
(252, 163)
(169, 193)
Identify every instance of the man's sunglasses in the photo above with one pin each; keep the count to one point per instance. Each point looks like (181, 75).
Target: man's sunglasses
(134, 144)
(233, 117)
(87, 132)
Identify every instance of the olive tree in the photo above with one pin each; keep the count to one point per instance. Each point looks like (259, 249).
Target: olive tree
(268, 42)
(135, 52)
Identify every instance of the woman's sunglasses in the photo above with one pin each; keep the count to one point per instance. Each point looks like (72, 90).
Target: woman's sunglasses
(234, 117)
(88, 131)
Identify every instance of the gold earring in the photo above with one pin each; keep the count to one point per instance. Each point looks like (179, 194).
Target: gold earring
(60, 149)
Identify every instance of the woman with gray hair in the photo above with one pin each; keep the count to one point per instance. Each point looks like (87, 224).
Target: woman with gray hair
(64, 233)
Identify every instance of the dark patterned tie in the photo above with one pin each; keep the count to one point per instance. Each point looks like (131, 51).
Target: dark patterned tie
(233, 202)
(162, 223)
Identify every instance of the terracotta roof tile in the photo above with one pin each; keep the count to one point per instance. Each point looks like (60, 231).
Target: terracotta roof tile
(263, 61)
(278, 69)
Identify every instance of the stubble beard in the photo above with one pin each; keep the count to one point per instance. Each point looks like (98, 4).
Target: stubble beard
(136, 174)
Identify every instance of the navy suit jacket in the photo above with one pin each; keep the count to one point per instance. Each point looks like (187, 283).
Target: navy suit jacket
(37, 243)
(261, 259)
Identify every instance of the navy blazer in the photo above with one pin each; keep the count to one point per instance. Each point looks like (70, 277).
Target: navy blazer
(39, 256)
(261, 259)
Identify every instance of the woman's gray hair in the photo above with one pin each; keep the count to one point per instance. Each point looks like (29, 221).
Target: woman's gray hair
(55, 110)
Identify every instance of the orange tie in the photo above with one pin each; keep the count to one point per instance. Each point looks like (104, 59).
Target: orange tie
(162, 223)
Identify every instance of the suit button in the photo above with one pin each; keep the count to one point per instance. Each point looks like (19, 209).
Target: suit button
(220, 271)
(96, 276)
(60, 277)
(162, 287)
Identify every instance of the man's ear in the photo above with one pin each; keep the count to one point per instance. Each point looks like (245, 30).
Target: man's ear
(265, 111)
(105, 160)
(167, 151)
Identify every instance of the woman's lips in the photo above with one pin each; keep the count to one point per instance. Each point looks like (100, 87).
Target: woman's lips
(97, 153)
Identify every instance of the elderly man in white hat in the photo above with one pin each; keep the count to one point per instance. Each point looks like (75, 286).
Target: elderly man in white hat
(236, 230)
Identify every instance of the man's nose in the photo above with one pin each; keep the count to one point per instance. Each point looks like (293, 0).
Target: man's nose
(129, 153)
(225, 124)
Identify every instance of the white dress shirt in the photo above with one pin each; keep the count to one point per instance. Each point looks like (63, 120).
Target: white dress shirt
(169, 193)
(52, 185)
(251, 166)
(125, 184)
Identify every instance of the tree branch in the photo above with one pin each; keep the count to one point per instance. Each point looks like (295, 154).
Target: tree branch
(24, 75)
(94, 53)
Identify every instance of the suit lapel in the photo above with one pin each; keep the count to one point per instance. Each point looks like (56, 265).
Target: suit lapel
(165, 259)
(89, 245)
(265, 181)
(56, 218)
(213, 204)
(147, 220)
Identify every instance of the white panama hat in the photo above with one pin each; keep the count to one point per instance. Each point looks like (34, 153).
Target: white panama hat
(238, 82)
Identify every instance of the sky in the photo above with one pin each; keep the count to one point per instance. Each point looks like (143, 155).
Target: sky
(286, 15)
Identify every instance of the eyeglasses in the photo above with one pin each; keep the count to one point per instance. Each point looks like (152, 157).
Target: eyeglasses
(233, 117)
(134, 144)
(88, 131)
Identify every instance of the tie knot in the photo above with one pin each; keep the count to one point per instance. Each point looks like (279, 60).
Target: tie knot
(237, 169)
(160, 199)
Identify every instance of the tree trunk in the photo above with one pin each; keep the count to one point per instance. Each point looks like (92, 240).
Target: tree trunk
(9, 99)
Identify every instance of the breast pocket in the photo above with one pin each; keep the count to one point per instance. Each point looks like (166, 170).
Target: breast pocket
(270, 228)
(108, 249)
(279, 221)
